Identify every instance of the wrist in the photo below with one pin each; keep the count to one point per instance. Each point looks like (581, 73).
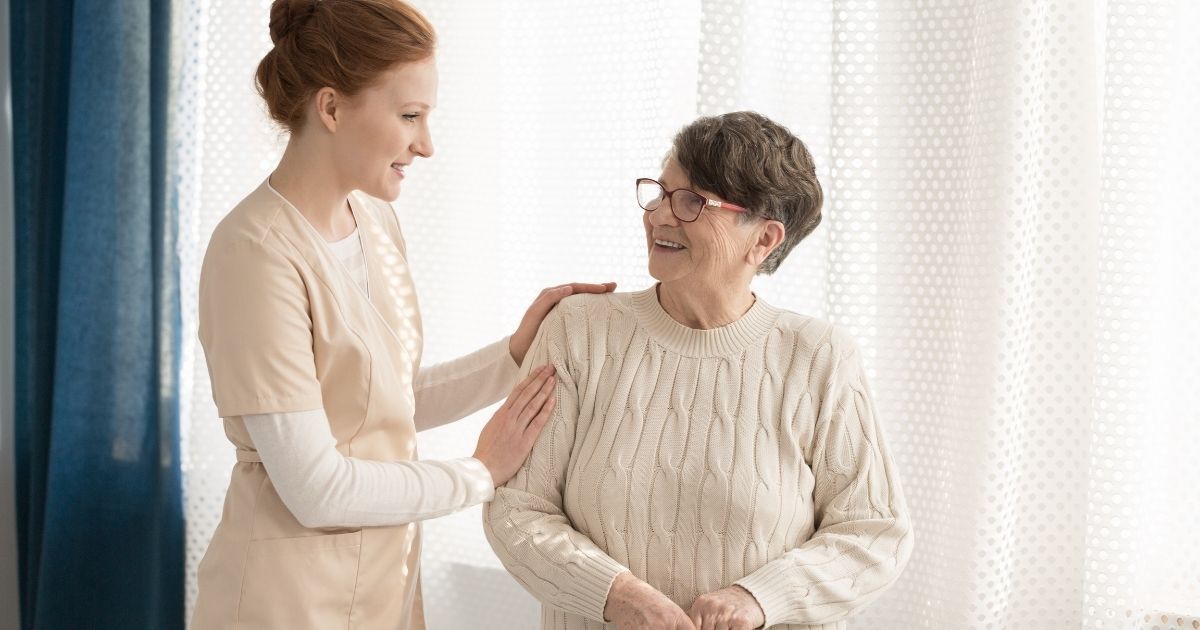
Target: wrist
(751, 601)
(617, 594)
(483, 471)
(512, 351)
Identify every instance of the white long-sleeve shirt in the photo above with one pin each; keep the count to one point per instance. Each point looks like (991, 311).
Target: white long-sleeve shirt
(324, 488)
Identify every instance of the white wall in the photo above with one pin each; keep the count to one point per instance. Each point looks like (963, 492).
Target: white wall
(9, 609)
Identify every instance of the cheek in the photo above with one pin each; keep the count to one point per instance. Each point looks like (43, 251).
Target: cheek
(717, 245)
(358, 143)
(401, 137)
(646, 224)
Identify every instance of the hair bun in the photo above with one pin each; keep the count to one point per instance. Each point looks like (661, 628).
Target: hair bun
(287, 15)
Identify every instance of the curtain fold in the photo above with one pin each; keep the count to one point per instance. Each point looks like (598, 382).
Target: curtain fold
(99, 496)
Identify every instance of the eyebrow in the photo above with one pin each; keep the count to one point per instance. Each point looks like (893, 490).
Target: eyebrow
(420, 104)
(662, 180)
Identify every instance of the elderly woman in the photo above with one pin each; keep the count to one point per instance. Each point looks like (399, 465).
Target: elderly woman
(712, 461)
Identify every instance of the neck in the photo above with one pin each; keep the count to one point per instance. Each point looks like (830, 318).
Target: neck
(306, 178)
(705, 307)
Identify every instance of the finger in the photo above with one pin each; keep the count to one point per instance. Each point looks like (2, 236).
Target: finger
(535, 404)
(528, 387)
(587, 287)
(520, 406)
(534, 429)
(543, 411)
(546, 301)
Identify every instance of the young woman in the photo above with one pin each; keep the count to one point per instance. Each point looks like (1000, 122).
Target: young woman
(311, 330)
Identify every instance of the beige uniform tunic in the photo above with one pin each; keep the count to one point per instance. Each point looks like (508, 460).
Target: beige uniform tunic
(286, 328)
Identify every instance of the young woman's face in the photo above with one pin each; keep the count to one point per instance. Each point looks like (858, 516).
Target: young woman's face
(381, 130)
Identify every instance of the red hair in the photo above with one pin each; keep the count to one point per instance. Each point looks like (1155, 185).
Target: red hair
(342, 44)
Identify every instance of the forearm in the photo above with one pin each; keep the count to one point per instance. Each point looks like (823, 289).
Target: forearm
(835, 573)
(556, 563)
(323, 488)
(452, 390)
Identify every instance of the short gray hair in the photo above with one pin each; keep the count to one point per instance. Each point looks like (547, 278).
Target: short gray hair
(750, 160)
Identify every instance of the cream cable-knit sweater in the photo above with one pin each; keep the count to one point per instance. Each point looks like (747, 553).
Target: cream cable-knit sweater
(748, 454)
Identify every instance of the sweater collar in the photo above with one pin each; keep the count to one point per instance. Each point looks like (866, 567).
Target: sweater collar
(725, 340)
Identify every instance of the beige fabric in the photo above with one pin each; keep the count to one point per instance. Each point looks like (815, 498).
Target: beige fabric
(748, 454)
(285, 328)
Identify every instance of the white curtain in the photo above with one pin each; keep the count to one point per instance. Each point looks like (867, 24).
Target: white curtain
(1011, 230)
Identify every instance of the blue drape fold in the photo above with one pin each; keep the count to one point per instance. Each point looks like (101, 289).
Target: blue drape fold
(99, 494)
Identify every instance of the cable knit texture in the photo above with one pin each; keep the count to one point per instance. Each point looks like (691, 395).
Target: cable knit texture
(748, 454)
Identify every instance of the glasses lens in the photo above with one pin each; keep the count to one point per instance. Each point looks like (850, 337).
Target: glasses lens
(688, 205)
(649, 194)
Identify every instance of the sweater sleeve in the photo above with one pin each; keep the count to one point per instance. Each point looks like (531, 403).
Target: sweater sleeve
(526, 524)
(863, 537)
(452, 390)
(323, 488)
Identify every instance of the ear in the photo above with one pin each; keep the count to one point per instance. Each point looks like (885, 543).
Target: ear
(327, 103)
(768, 236)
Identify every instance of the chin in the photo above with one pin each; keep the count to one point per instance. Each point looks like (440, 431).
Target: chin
(387, 192)
(660, 272)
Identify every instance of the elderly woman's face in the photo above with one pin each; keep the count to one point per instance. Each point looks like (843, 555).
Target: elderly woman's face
(707, 252)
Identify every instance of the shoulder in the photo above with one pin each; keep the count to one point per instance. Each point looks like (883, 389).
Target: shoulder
(811, 336)
(251, 220)
(249, 244)
(250, 226)
(576, 315)
(594, 306)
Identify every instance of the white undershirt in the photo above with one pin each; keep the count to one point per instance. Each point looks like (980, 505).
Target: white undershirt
(324, 488)
(350, 252)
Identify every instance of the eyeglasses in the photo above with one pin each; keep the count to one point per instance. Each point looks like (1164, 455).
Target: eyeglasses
(650, 196)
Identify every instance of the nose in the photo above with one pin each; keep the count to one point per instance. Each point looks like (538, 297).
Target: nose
(423, 144)
(662, 215)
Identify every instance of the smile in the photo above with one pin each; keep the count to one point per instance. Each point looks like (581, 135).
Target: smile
(668, 244)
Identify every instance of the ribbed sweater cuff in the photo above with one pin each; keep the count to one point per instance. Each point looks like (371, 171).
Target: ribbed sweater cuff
(593, 578)
(775, 591)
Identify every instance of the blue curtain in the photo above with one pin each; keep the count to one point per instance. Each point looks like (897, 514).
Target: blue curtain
(97, 421)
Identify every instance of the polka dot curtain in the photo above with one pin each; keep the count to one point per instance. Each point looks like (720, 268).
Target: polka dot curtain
(1010, 231)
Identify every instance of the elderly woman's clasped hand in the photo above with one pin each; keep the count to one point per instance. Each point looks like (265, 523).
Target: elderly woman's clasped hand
(732, 608)
(634, 604)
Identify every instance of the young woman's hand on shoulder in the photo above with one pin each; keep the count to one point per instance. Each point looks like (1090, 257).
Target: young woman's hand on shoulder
(520, 341)
(508, 437)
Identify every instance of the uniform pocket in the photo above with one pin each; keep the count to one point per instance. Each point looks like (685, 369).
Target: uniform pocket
(300, 583)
